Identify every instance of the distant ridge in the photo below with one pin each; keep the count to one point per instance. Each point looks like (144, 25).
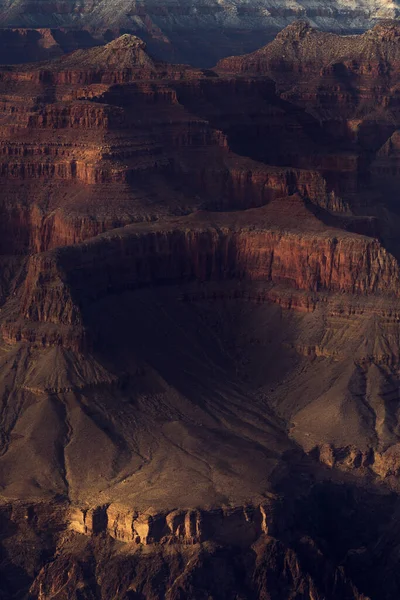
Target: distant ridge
(194, 31)
(299, 45)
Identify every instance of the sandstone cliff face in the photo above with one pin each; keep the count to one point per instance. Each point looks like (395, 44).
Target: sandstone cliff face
(114, 263)
(240, 525)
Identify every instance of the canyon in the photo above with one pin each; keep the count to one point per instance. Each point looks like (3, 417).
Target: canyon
(200, 321)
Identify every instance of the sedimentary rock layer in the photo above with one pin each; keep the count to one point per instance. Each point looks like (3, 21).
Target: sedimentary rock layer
(59, 282)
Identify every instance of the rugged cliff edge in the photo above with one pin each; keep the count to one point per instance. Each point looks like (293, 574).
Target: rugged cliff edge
(200, 323)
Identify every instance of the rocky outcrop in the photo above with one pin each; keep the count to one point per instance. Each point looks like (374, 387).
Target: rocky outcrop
(120, 61)
(385, 464)
(275, 565)
(240, 525)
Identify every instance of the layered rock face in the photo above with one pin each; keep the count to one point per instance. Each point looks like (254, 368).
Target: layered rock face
(165, 122)
(132, 258)
(347, 82)
(199, 358)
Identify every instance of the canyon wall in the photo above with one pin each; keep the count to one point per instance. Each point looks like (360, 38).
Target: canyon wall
(199, 318)
(62, 283)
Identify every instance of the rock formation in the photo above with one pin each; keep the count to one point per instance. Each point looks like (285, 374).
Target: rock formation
(195, 32)
(19, 44)
(200, 323)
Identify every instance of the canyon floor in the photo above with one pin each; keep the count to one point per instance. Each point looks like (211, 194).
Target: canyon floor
(200, 322)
